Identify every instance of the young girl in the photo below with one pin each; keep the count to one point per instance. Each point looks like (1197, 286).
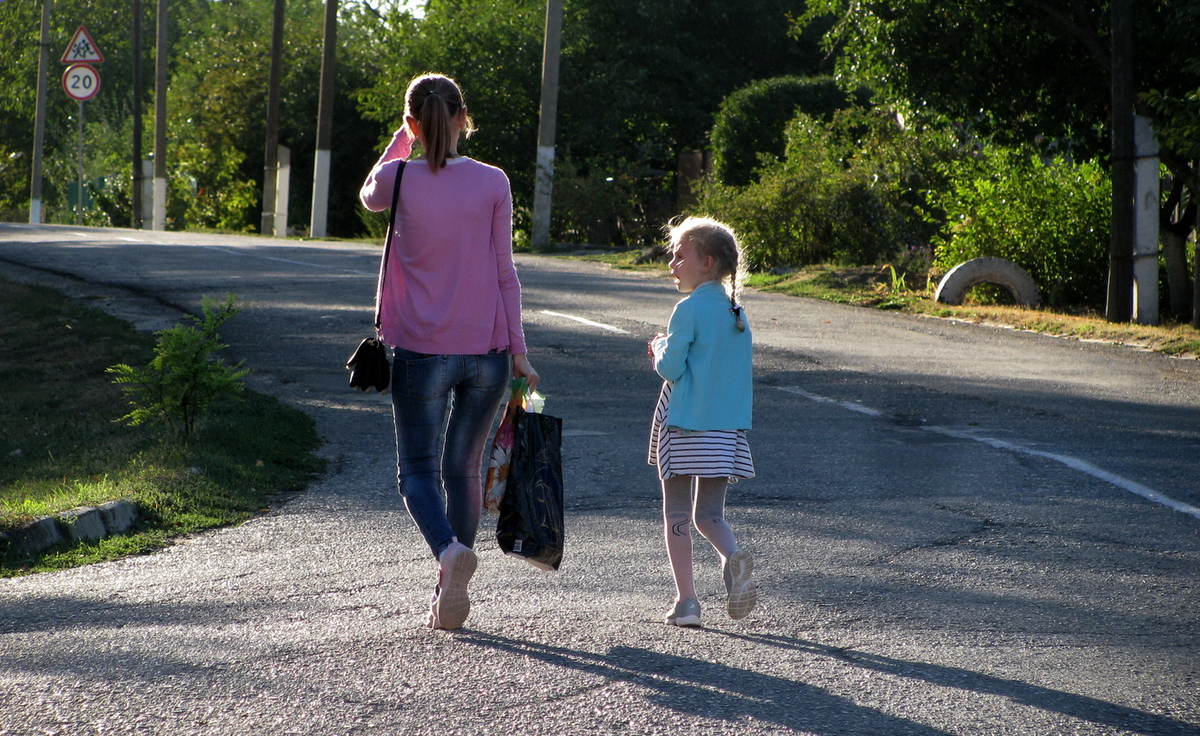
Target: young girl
(698, 438)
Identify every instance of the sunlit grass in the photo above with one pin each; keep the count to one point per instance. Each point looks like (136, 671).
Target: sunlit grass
(60, 447)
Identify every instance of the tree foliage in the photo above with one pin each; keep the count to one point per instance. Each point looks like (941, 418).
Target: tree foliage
(639, 82)
(750, 122)
(1014, 70)
(854, 191)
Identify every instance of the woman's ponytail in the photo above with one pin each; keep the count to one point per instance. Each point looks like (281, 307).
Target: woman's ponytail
(436, 101)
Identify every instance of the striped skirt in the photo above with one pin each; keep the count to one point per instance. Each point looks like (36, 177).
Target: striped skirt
(716, 453)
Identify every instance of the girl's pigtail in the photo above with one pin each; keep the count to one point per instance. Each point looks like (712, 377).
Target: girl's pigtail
(738, 318)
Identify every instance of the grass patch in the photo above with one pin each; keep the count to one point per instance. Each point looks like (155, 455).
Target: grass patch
(61, 448)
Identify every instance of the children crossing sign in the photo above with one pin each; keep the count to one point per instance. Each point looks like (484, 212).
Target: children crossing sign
(82, 50)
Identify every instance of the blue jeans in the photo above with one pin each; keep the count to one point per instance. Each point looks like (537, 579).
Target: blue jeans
(436, 454)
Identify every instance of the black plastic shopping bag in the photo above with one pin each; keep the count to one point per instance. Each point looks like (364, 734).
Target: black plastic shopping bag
(531, 510)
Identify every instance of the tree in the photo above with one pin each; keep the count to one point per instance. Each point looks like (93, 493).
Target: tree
(640, 82)
(1023, 71)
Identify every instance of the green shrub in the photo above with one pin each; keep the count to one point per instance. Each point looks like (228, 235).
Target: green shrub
(183, 378)
(752, 121)
(851, 191)
(1051, 219)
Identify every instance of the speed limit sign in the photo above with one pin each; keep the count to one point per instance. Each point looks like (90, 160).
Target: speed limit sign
(81, 82)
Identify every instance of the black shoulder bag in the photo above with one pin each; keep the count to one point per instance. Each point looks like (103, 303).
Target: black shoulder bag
(369, 365)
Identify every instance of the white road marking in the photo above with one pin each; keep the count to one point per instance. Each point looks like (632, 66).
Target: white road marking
(581, 320)
(852, 406)
(1071, 462)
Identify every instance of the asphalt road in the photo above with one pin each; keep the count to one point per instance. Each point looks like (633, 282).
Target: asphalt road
(950, 524)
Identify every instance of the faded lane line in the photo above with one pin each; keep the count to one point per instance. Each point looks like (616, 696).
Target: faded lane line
(852, 406)
(1081, 465)
(1071, 462)
(581, 320)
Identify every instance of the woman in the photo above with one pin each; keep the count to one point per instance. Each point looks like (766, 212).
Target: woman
(450, 304)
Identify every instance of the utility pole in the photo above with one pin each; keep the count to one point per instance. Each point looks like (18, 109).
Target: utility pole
(39, 118)
(320, 200)
(138, 93)
(544, 181)
(160, 120)
(271, 154)
(1121, 239)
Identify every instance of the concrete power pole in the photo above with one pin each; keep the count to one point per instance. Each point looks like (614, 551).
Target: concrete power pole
(39, 119)
(138, 93)
(1121, 240)
(544, 182)
(320, 200)
(271, 153)
(160, 121)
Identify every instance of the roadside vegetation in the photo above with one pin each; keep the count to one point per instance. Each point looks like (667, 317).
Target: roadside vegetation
(910, 290)
(62, 444)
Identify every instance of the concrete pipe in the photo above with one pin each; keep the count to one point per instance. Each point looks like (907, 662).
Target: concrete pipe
(955, 284)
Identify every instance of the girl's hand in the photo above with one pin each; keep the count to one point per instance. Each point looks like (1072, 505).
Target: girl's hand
(522, 368)
(650, 344)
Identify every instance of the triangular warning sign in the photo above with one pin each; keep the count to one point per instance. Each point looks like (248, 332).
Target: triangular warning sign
(82, 50)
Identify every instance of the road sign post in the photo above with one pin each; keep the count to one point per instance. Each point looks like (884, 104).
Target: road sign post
(81, 82)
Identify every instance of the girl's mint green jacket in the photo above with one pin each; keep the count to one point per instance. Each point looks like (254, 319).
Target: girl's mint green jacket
(709, 362)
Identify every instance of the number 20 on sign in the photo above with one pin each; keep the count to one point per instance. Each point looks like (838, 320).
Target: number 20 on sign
(81, 82)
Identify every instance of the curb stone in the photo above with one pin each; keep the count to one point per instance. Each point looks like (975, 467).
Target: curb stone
(86, 523)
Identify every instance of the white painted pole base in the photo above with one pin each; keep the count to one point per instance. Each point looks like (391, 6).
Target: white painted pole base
(283, 180)
(1145, 223)
(160, 203)
(320, 201)
(543, 191)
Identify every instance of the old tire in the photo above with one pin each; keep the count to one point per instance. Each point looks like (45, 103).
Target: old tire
(955, 284)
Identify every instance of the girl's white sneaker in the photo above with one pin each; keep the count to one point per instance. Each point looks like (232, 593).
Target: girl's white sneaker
(740, 585)
(685, 613)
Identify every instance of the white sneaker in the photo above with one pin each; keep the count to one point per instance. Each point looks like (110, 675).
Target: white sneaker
(739, 584)
(685, 613)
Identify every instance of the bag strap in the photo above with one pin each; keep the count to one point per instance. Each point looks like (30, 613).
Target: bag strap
(387, 245)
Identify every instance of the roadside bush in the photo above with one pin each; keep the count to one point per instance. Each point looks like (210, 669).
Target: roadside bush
(619, 203)
(1050, 218)
(852, 191)
(751, 124)
(183, 378)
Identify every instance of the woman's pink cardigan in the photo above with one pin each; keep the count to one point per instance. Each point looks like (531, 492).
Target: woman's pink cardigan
(451, 285)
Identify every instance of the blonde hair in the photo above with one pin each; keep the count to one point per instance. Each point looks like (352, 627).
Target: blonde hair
(716, 239)
(435, 100)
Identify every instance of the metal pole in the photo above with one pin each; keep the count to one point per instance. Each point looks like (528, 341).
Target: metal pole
(138, 93)
(79, 178)
(321, 165)
(270, 154)
(544, 182)
(1120, 248)
(39, 118)
(160, 120)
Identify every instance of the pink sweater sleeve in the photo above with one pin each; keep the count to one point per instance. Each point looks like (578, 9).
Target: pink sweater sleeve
(376, 192)
(510, 286)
